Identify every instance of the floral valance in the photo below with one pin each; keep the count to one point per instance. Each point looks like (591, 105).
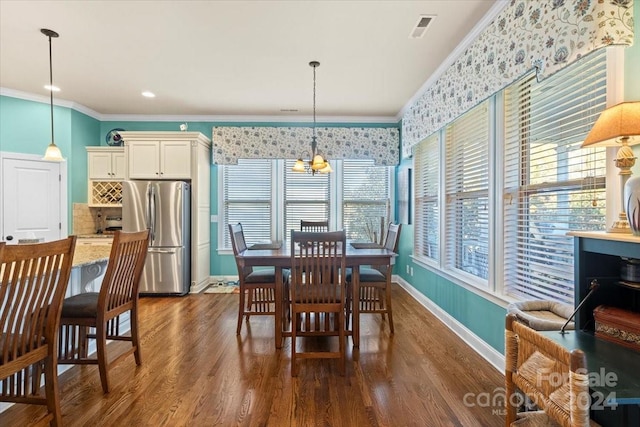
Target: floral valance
(546, 35)
(232, 143)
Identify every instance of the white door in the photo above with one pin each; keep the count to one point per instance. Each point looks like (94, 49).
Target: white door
(33, 199)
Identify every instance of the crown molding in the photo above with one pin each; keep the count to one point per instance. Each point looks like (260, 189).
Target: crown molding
(194, 118)
(12, 93)
(480, 26)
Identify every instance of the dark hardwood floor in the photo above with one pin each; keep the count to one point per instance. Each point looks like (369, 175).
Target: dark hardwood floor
(197, 372)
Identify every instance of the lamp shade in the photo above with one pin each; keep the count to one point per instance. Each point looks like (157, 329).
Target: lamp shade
(614, 124)
(53, 153)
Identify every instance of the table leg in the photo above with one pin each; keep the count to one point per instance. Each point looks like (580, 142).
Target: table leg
(355, 281)
(278, 316)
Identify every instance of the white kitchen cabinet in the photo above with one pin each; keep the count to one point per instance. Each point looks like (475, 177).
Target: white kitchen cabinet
(107, 167)
(162, 159)
(106, 163)
(179, 156)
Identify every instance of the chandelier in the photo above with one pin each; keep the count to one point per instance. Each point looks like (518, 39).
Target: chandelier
(53, 152)
(317, 162)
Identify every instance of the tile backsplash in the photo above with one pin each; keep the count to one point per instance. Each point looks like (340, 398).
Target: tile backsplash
(88, 220)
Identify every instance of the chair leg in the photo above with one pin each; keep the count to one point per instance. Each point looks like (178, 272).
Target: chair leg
(389, 310)
(51, 390)
(341, 337)
(135, 339)
(101, 344)
(348, 303)
(240, 310)
(294, 371)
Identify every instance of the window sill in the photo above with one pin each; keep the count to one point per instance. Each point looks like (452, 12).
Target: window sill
(464, 282)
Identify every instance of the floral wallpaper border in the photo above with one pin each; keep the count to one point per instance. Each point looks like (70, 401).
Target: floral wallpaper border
(233, 143)
(546, 35)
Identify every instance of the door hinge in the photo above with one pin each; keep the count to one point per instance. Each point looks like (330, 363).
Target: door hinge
(59, 226)
(59, 177)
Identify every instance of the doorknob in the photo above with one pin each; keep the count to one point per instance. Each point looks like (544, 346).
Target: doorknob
(9, 238)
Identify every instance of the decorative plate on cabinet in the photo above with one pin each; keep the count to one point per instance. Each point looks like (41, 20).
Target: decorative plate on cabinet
(113, 137)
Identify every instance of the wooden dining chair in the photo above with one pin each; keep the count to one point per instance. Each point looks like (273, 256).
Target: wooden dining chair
(314, 225)
(317, 292)
(33, 281)
(375, 282)
(96, 315)
(257, 286)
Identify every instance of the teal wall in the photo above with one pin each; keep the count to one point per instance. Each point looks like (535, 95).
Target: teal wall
(25, 127)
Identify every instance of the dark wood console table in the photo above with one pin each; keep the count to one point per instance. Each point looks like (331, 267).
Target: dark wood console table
(598, 255)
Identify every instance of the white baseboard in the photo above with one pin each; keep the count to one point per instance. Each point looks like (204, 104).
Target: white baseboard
(491, 355)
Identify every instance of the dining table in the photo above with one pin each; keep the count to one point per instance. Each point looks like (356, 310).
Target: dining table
(279, 257)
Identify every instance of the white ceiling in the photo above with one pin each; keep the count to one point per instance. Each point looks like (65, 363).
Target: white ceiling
(232, 58)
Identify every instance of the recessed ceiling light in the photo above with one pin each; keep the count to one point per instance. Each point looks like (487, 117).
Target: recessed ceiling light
(148, 94)
(52, 88)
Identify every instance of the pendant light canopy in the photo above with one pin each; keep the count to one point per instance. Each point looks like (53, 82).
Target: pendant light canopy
(53, 152)
(317, 162)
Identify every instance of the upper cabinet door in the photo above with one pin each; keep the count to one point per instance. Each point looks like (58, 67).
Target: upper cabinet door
(175, 159)
(118, 165)
(100, 165)
(144, 160)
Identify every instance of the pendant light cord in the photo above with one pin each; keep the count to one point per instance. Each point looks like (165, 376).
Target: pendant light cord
(51, 85)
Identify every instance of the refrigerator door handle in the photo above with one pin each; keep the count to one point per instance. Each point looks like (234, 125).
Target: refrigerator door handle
(152, 213)
(162, 251)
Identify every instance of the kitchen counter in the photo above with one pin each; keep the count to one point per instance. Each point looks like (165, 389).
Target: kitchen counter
(86, 255)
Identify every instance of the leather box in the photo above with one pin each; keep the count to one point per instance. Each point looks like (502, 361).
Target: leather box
(618, 326)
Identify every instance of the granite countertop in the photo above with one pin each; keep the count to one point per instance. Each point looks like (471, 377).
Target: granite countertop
(86, 255)
(95, 236)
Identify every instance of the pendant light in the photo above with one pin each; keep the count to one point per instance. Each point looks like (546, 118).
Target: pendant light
(317, 162)
(53, 152)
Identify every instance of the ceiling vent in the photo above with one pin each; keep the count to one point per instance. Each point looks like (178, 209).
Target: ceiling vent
(421, 26)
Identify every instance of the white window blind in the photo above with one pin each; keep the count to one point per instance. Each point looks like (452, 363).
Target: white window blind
(306, 197)
(551, 184)
(427, 211)
(365, 199)
(467, 192)
(247, 199)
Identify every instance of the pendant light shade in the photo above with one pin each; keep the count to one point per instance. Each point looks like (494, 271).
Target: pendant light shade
(53, 152)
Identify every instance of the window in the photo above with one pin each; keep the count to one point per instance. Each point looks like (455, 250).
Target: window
(467, 192)
(365, 199)
(269, 199)
(427, 212)
(248, 189)
(306, 197)
(551, 185)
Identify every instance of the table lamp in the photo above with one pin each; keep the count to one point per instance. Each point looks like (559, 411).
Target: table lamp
(620, 126)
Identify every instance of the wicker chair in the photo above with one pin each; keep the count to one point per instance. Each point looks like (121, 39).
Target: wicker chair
(375, 282)
(554, 378)
(314, 225)
(33, 281)
(101, 311)
(318, 292)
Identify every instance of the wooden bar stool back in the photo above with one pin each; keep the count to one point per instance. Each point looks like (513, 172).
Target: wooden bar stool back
(96, 315)
(33, 281)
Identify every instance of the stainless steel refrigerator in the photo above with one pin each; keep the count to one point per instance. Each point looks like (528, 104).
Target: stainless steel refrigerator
(164, 207)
